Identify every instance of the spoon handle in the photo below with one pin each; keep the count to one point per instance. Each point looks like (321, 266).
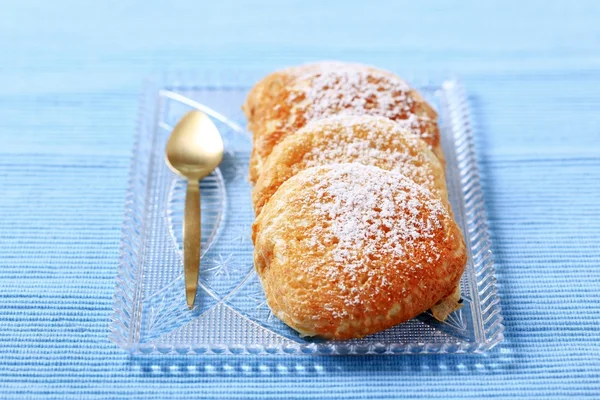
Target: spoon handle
(191, 241)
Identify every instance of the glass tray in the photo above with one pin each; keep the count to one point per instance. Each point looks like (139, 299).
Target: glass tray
(231, 316)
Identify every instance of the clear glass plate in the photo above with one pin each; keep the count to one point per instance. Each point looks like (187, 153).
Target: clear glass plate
(231, 316)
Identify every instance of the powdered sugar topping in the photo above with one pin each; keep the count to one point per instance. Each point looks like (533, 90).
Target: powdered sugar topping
(350, 89)
(366, 214)
(372, 141)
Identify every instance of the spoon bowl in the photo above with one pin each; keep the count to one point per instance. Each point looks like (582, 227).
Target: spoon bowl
(194, 150)
(195, 147)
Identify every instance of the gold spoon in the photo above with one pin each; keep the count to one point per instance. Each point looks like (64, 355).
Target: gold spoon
(194, 150)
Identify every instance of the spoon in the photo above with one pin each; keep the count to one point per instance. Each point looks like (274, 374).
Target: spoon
(194, 150)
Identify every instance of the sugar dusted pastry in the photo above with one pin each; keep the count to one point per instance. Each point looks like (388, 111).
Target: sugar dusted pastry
(287, 100)
(347, 250)
(366, 139)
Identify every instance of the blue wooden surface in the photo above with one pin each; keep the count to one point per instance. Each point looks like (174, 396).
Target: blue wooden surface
(70, 73)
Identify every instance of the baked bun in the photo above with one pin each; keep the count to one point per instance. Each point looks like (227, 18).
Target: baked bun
(366, 139)
(287, 100)
(347, 250)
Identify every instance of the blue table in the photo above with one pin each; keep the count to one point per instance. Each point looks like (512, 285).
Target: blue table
(70, 74)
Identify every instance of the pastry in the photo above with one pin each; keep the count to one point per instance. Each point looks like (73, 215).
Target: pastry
(287, 100)
(366, 139)
(346, 250)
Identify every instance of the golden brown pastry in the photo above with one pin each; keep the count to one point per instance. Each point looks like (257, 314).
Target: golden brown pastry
(447, 305)
(365, 139)
(286, 100)
(347, 250)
